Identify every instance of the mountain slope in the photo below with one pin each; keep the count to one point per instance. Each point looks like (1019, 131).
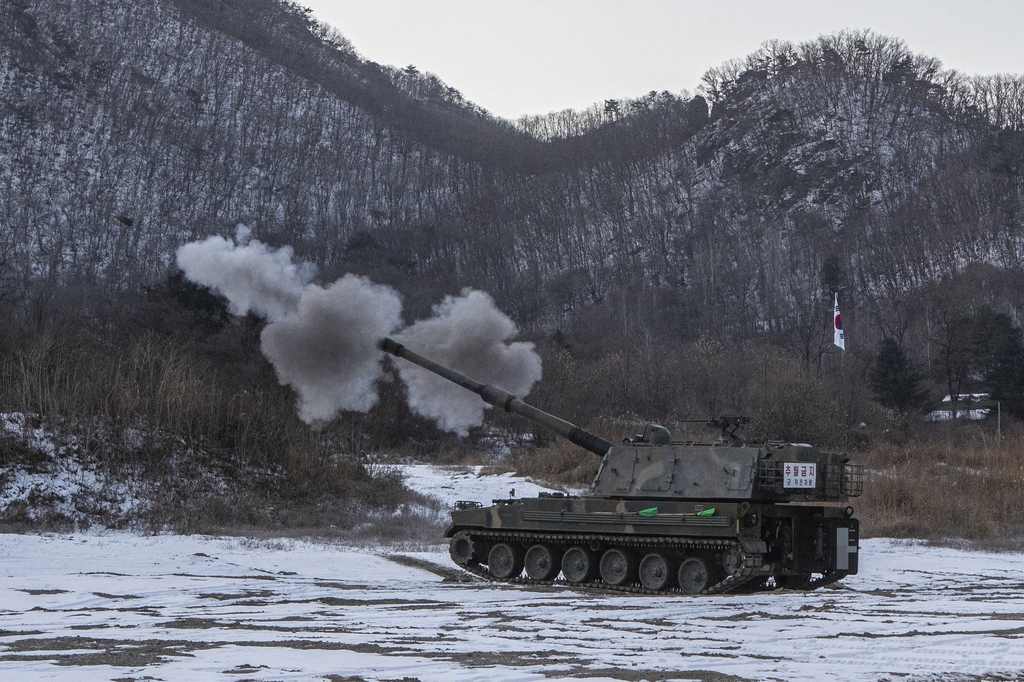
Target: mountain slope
(844, 162)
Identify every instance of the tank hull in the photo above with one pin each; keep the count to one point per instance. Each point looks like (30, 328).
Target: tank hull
(740, 545)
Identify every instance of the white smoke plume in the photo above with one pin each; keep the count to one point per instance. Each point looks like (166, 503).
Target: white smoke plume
(251, 275)
(327, 349)
(323, 341)
(470, 335)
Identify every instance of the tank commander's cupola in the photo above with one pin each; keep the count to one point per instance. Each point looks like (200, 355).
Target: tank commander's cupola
(654, 434)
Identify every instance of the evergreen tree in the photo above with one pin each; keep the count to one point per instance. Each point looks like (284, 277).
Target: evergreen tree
(896, 382)
(999, 358)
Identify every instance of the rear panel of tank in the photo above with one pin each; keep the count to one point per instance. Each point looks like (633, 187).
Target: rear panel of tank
(804, 539)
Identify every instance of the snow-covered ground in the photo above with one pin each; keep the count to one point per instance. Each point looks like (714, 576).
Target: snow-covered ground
(452, 483)
(120, 606)
(53, 478)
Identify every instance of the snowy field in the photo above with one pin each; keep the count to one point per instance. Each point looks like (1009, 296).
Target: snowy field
(121, 607)
(451, 483)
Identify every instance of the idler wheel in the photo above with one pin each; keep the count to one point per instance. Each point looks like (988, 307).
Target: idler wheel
(694, 576)
(542, 562)
(578, 565)
(464, 550)
(655, 572)
(617, 567)
(505, 561)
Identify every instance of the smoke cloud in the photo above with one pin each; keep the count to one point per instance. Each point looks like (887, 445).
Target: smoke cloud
(327, 349)
(322, 340)
(469, 334)
(251, 275)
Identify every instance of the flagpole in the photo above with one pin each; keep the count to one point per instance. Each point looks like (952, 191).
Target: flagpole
(839, 339)
(845, 400)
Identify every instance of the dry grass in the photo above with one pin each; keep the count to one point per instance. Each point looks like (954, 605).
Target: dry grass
(560, 465)
(939, 490)
(179, 415)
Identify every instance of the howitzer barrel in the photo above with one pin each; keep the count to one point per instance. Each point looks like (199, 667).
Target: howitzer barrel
(502, 399)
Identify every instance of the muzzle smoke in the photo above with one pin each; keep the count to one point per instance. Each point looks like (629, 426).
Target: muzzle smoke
(327, 349)
(469, 334)
(322, 341)
(252, 276)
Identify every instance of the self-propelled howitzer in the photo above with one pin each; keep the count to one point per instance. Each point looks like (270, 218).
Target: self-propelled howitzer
(666, 516)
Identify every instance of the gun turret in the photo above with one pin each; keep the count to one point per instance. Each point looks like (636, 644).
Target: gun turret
(503, 400)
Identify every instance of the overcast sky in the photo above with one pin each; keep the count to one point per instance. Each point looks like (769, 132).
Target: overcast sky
(536, 56)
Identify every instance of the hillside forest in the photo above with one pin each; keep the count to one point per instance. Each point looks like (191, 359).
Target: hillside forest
(673, 258)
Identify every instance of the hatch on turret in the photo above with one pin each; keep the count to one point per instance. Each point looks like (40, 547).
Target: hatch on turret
(655, 469)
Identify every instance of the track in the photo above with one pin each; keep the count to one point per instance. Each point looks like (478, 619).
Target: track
(751, 563)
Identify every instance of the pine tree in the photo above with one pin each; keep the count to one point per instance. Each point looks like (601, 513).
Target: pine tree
(896, 382)
(999, 358)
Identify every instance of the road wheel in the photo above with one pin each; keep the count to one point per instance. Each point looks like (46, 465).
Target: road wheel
(655, 572)
(694, 576)
(578, 565)
(617, 567)
(505, 561)
(542, 562)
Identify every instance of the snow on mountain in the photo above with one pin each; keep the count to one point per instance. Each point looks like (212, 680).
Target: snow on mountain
(847, 147)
